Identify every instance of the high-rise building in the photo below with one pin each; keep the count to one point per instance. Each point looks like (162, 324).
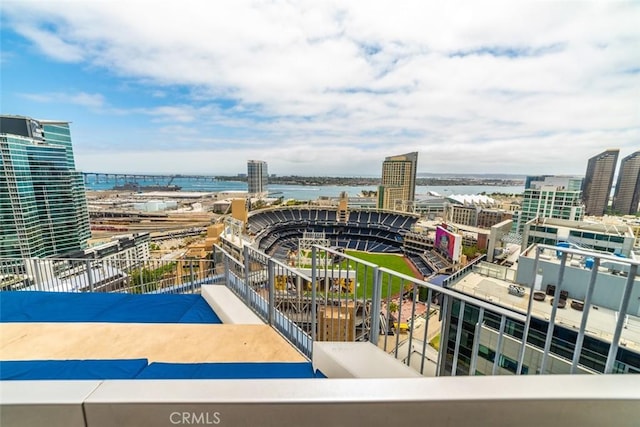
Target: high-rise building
(627, 195)
(43, 207)
(551, 197)
(398, 188)
(257, 177)
(598, 181)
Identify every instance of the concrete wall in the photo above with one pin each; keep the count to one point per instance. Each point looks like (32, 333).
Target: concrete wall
(532, 400)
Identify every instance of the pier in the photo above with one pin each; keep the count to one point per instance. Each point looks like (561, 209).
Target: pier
(123, 178)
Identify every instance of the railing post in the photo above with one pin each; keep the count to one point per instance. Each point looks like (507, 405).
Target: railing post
(496, 360)
(456, 348)
(585, 315)
(554, 312)
(271, 280)
(247, 265)
(227, 273)
(445, 307)
(376, 306)
(476, 342)
(87, 267)
(35, 265)
(622, 312)
(141, 280)
(527, 323)
(314, 306)
(413, 317)
(191, 280)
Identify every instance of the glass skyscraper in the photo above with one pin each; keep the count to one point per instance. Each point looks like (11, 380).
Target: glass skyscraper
(551, 197)
(598, 181)
(627, 196)
(43, 208)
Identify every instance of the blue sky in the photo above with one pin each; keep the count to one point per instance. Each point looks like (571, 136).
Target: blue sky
(327, 88)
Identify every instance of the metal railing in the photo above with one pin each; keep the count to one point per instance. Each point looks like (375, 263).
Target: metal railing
(339, 297)
(107, 275)
(273, 290)
(343, 298)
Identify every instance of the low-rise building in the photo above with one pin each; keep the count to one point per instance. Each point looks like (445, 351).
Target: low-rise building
(599, 237)
(586, 319)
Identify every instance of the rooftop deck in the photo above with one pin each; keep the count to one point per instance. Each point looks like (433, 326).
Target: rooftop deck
(177, 343)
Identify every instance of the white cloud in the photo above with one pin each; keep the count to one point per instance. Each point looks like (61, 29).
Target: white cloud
(83, 99)
(333, 87)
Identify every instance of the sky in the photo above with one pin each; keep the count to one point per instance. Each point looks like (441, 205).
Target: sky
(327, 87)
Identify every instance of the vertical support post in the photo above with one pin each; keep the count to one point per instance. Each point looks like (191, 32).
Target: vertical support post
(376, 306)
(399, 319)
(527, 323)
(192, 278)
(624, 304)
(247, 265)
(585, 316)
(35, 264)
(227, 273)
(554, 311)
(271, 282)
(413, 315)
(425, 338)
(456, 349)
(314, 302)
(473, 366)
(89, 275)
(503, 321)
(445, 306)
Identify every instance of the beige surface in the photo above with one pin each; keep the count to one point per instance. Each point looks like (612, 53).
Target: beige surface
(187, 343)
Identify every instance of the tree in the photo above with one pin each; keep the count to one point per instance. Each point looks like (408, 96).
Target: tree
(393, 307)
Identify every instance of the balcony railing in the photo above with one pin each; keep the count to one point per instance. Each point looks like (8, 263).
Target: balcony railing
(107, 275)
(332, 296)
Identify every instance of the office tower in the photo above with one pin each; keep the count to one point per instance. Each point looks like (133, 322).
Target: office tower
(598, 181)
(551, 197)
(398, 188)
(43, 207)
(627, 195)
(257, 177)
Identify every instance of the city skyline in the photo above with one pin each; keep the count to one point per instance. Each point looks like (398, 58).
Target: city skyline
(329, 89)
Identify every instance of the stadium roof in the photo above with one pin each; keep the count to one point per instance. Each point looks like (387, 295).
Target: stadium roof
(472, 199)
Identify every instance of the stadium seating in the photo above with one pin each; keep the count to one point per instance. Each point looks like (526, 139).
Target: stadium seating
(277, 230)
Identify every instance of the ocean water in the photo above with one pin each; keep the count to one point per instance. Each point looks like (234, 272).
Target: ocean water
(304, 192)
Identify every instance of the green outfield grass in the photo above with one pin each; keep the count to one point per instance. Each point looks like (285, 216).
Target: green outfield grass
(392, 262)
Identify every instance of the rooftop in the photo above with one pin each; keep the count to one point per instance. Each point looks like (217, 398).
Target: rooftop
(472, 199)
(600, 324)
(599, 227)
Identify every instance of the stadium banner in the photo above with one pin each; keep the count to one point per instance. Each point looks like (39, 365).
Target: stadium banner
(448, 243)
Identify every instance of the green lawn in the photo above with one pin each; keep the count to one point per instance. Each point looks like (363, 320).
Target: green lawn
(392, 262)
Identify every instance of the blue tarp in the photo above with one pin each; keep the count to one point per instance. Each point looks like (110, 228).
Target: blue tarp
(28, 306)
(274, 370)
(120, 369)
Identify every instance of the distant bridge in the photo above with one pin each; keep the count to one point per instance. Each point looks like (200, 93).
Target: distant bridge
(123, 178)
